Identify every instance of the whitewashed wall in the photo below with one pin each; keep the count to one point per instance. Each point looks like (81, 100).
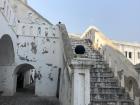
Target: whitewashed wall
(39, 47)
(6, 71)
(81, 86)
(65, 92)
(130, 47)
(45, 52)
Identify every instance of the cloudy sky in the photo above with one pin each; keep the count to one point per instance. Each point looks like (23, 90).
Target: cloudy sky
(117, 19)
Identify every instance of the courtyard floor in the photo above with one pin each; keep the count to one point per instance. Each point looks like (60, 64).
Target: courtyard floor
(28, 100)
(26, 97)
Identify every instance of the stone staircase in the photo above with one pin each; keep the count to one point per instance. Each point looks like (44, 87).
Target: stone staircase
(104, 87)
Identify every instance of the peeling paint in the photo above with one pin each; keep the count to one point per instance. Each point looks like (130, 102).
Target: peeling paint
(34, 48)
(55, 67)
(27, 43)
(17, 36)
(49, 64)
(48, 40)
(50, 76)
(53, 34)
(18, 44)
(44, 51)
(26, 59)
(120, 73)
(46, 34)
(23, 45)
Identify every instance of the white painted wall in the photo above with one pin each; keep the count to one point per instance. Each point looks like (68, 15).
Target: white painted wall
(131, 47)
(41, 49)
(81, 81)
(6, 71)
(81, 87)
(7, 82)
(66, 88)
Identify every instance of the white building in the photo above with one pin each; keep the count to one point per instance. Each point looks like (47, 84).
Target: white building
(130, 50)
(101, 75)
(114, 54)
(28, 41)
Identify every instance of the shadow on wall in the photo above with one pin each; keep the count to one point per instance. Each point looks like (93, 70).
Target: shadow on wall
(7, 56)
(131, 83)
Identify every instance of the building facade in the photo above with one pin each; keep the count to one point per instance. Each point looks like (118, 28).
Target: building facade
(89, 69)
(29, 41)
(114, 55)
(130, 50)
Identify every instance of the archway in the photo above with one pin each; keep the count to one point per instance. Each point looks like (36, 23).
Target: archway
(132, 86)
(25, 81)
(7, 59)
(6, 51)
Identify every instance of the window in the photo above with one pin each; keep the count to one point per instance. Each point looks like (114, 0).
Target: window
(126, 54)
(138, 55)
(130, 54)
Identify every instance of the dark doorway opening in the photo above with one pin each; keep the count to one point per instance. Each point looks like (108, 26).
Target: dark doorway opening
(20, 81)
(25, 80)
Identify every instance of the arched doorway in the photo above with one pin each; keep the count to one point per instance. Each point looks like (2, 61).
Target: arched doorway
(25, 81)
(6, 51)
(7, 59)
(132, 86)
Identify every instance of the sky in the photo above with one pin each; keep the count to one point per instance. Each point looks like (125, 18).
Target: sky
(117, 19)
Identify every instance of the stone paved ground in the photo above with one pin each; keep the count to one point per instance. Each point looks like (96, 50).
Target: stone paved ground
(26, 97)
(28, 100)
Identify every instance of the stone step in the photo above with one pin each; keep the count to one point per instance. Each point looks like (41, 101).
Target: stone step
(103, 81)
(105, 87)
(107, 93)
(108, 90)
(112, 102)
